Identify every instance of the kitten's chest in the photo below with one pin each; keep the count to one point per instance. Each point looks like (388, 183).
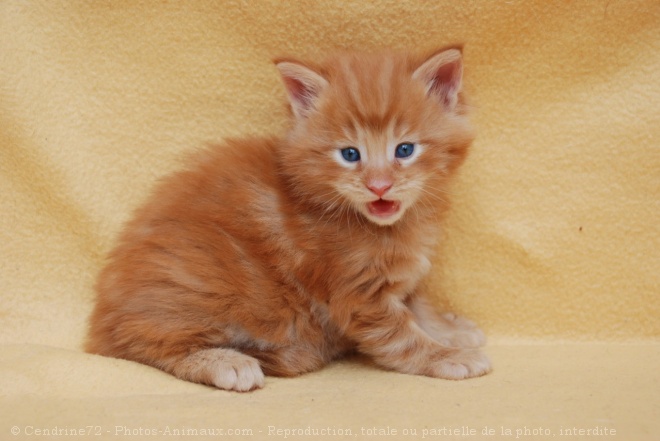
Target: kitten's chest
(397, 264)
(370, 266)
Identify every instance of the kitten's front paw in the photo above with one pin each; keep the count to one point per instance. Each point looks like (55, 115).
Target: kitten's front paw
(463, 333)
(474, 338)
(460, 364)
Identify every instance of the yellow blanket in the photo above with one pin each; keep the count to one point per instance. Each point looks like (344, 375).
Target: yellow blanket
(553, 237)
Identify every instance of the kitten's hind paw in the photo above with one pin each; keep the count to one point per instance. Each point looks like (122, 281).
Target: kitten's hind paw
(241, 374)
(459, 364)
(223, 368)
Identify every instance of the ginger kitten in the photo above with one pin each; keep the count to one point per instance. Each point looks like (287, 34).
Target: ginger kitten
(276, 256)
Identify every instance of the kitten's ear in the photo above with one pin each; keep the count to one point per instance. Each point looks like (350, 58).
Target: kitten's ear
(443, 73)
(302, 84)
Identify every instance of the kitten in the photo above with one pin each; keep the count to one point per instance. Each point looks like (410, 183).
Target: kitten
(276, 256)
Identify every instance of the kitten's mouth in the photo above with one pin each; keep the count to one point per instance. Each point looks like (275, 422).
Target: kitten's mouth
(383, 208)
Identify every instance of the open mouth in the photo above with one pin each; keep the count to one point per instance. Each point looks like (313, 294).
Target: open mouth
(383, 208)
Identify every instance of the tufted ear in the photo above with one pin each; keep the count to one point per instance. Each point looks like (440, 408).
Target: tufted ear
(303, 86)
(443, 73)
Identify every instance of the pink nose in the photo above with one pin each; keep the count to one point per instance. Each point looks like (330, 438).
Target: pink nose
(379, 186)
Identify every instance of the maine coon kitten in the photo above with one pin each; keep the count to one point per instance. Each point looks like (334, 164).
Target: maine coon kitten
(276, 256)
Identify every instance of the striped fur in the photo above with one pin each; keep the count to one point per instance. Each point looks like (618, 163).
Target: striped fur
(269, 256)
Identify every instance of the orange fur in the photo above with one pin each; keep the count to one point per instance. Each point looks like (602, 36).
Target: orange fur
(276, 256)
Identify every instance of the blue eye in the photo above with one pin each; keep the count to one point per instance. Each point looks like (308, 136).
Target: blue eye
(404, 150)
(350, 154)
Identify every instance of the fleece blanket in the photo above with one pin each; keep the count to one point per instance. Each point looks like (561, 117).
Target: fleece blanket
(552, 244)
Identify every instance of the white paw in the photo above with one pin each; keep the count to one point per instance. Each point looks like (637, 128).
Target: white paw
(460, 364)
(460, 332)
(236, 371)
(463, 339)
(458, 321)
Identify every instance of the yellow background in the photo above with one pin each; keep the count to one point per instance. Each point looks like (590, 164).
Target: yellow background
(553, 236)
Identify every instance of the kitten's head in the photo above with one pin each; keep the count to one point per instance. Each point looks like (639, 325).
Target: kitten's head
(378, 134)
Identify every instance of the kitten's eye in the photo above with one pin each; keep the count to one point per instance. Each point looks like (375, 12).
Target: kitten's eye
(350, 154)
(404, 150)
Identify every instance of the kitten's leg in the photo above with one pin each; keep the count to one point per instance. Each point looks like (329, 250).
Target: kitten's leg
(221, 367)
(390, 334)
(448, 328)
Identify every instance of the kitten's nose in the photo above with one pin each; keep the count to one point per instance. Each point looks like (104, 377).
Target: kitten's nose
(379, 186)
